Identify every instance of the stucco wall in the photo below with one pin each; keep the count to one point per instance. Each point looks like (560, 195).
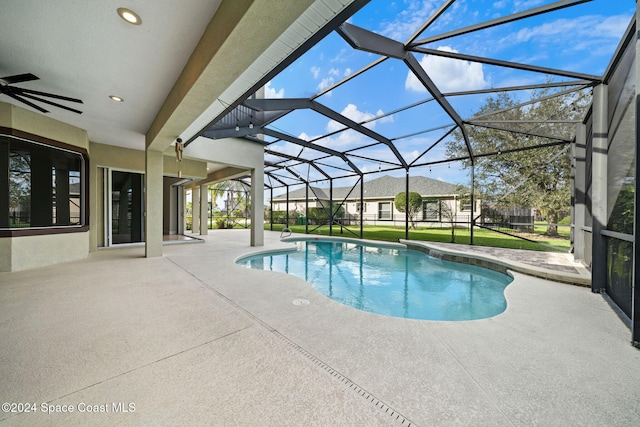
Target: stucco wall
(38, 124)
(37, 251)
(24, 252)
(121, 158)
(371, 214)
(229, 151)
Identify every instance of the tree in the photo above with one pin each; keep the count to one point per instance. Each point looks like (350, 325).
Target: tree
(444, 212)
(415, 205)
(235, 197)
(538, 177)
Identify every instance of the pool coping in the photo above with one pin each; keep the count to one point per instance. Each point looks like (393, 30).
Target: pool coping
(483, 260)
(292, 239)
(499, 264)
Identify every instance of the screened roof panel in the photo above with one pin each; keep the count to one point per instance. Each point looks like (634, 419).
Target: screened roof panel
(367, 92)
(323, 65)
(391, 86)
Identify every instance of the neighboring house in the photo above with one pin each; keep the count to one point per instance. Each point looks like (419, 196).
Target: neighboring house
(377, 204)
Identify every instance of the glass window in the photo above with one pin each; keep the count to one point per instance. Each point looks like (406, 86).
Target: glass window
(620, 273)
(384, 210)
(431, 210)
(44, 185)
(621, 157)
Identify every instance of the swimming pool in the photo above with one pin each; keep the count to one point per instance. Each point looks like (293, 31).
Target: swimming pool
(391, 280)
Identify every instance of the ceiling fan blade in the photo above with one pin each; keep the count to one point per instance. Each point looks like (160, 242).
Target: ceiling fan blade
(50, 95)
(29, 103)
(46, 101)
(19, 78)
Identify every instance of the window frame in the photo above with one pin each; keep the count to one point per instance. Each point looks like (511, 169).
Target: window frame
(84, 185)
(380, 211)
(425, 211)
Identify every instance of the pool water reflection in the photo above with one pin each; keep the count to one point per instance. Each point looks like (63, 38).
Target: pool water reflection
(392, 281)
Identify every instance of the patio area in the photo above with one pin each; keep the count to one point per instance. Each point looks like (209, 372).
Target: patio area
(190, 338)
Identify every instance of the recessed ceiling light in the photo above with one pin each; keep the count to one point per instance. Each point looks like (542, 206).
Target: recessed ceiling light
(130, 16)
(116, 98)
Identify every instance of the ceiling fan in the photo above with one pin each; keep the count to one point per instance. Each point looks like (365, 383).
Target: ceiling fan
(20, 94)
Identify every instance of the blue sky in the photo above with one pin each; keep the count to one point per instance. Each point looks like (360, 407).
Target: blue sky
(581, 38)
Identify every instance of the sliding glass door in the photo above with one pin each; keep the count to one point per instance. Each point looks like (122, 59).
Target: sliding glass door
(126, 207)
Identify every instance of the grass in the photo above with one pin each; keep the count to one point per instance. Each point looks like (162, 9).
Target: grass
(481, 237)
(563, 230)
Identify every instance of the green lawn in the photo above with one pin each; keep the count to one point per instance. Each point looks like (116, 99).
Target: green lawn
(563, 230)
(481, 237)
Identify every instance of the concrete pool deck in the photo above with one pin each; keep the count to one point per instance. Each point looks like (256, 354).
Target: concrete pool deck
(193, 339)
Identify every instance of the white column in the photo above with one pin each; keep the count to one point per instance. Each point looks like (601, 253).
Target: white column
(257, 207)
(195, 209)
(204, 210)
(153, 203)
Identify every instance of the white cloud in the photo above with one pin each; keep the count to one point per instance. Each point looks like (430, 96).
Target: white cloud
(612, 26)
(270, 92)
(411, 156)
(347, 72)
(408, 21)
(448, 74)
(305, 137)
(325, 83)
(351, 112)
(333, 75)
(588, 27)
(386, 119)
(350, 137)
(527, 4)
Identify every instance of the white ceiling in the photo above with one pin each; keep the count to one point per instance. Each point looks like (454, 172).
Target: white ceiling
(83, 49)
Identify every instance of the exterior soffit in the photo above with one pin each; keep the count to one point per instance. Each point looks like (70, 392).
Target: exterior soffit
(237, 35)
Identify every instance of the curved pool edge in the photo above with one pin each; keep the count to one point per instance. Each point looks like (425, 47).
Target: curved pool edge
(305, 237)
(497, 264)
(291, 240)
(290, 248)
(379, 243)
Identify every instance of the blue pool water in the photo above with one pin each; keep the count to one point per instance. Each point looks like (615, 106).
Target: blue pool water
(391, 281)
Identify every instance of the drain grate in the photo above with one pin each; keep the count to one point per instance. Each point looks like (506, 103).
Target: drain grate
(300, 301)
(396, 416)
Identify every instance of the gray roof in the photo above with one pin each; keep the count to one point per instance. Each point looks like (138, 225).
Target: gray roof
(385, 187)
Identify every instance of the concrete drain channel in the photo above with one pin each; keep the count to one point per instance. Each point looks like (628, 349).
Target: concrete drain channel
(393, 414)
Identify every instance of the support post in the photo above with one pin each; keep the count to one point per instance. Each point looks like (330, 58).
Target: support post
(306, 208)
(330, 207)
(599, 188)
(4, 183)
(153, 203)
(204, 210)
(195, 209)
(182, 217)
(473, 202)
(361, 206)
(579, 191)
(635, 299)
(41, 189)
(271, 209)
(63, 213)
(257, 207)
(406, 205)
(286, 213)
